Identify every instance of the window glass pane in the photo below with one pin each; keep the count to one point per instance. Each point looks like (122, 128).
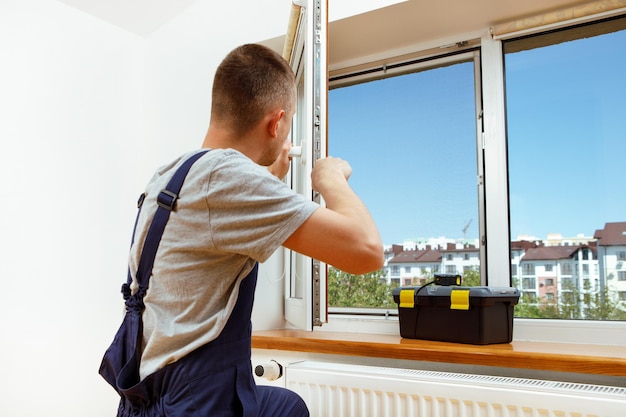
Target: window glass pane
(566, 101)
(411, 140)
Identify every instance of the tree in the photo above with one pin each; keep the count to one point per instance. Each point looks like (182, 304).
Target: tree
(573, 304)
(367, 290)
(602, 306)
(471, 277)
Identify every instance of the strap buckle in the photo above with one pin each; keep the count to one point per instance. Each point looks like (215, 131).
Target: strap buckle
(167, 199)
(141, 199)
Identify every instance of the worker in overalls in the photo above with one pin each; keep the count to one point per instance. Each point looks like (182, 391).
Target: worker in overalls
(189, 305)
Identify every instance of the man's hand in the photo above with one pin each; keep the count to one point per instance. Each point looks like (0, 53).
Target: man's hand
(342, 233)
(281, 165)
(329, 171)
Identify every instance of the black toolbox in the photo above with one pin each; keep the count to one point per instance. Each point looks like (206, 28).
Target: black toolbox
(474, 315)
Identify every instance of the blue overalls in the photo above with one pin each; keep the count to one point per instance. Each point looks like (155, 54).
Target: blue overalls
(215, 380)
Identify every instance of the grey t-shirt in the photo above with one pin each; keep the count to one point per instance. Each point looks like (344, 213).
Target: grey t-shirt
(231, 213)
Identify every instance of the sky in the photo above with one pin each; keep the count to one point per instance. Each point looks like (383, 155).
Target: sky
(411, 141)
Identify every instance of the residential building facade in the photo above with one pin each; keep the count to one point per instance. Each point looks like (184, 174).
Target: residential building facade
(551, 271)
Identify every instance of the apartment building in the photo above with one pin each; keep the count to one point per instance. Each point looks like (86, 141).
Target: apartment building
(406, 267)
(552, 273)
(612, 257)
(546, 271)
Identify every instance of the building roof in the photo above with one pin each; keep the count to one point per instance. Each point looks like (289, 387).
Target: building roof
(416, 256)
(550, 253)
(452, 247)
(613, 234)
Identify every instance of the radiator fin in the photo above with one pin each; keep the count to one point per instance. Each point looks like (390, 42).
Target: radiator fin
(340, 390)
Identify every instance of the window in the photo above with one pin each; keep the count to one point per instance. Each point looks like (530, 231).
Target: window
(566, 269)
(305, 290)
(500, 209)
(497, 205)
(410, 133)
(565, 95)
(529, 283)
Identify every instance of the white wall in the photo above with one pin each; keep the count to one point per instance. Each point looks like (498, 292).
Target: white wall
(87, 112)
(70, 110)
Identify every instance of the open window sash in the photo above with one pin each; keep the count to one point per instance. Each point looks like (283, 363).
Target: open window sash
(306, 50)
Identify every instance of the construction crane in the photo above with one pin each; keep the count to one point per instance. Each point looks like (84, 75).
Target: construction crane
(467, 224)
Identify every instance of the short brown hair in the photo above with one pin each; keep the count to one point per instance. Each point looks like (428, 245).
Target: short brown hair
(249, 82)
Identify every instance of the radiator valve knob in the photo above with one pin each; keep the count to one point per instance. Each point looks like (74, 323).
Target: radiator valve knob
(271, 370)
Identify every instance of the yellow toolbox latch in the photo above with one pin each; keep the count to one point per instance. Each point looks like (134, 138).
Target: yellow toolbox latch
(459, 299)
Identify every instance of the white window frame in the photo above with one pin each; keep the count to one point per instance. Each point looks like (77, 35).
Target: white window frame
(305, 290)
(498, 265)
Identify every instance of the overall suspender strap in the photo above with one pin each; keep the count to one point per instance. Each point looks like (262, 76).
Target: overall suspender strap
(120, 364)
(166, 203)
(129, 279)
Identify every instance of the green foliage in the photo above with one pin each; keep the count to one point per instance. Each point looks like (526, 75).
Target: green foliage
(368, 290)
(371, 291)
(574, 304)
(471, 277)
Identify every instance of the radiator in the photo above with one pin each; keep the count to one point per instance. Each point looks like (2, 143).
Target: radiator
(341, 390)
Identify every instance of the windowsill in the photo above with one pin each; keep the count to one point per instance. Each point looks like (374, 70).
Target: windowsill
(542, 356)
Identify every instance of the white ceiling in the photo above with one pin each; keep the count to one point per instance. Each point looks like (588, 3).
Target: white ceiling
(138, 16)
(428, 18)
(413, 22)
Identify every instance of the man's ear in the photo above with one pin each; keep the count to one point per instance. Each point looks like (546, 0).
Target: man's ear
(274, 123)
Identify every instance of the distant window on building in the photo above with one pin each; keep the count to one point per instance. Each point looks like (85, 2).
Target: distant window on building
(566, 269)
(548, 267)
(528, 269)
(529, 283)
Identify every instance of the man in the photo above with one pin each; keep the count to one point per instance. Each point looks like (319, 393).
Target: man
(232, 212)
